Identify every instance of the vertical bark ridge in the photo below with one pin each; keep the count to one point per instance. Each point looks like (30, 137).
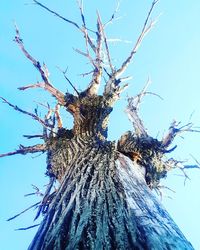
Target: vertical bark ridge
(87, 210)
(103, 203)
(154, 225)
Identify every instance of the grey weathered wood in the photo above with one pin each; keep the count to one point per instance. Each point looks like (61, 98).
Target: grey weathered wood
(104, 200)
(104, 203)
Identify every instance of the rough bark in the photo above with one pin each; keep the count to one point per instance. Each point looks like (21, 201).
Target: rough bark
(104, 200)
(103, 203)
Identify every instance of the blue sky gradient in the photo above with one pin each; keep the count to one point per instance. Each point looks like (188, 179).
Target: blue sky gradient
(169, 55)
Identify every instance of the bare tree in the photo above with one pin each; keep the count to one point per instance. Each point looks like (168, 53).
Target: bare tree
(104, 199)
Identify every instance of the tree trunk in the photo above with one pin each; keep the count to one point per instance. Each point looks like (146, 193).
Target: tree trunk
(103, 203)
(104, 200)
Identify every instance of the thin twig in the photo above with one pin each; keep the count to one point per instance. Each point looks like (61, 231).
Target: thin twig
(37, 192)
(35, 117)
(17, 215)
(86, 74)
(44, 201)
(71, 84)
(66, 20)
(198, 163)
(58, 15)
(111, 83)
(113, 15)
(106, 44)
(26, 228)
(146, 28)
(33, 136)
(87, 54)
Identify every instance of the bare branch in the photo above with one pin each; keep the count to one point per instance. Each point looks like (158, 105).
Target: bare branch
(84, 29)
(17, 215)
(134, 117)
(58, 117)
(86, 74)
(45, 199)
(191, 166)
(32, 86)
(26, 228)
(165, 187)
(43, 71)
(68, 21)
(58, 15)
(37, 191)
(132, 110)
(80, 5)
(99, 40)
(33, 136)
(97, 73)
(87, 54)
(113, 15)
(197, 162)
(53, 91)
(106, 44)
(48, 117)
(174, 131)
(146, 28)
(71, 84)
(26, 150)
(173, 164)
(36, 63)
(35, 117)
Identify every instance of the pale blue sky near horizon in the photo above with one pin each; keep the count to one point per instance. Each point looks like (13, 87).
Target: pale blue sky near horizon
(169, 55)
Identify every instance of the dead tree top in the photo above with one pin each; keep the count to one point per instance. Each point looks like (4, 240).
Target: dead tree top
(91, 110)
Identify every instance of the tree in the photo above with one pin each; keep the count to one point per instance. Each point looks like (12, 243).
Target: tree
(104, 197)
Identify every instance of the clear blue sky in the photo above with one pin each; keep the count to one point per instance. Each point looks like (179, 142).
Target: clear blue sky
(170, 55)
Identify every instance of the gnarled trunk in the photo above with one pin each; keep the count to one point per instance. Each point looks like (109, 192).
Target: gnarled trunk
(104, 199)
(103, 203)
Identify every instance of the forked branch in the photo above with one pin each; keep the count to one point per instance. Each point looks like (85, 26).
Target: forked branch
(113, 15)
(114, 79)
(43, 72)
(174, 164)
(146, 28)
(174, 131)
(35, 117)
(132, 111)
